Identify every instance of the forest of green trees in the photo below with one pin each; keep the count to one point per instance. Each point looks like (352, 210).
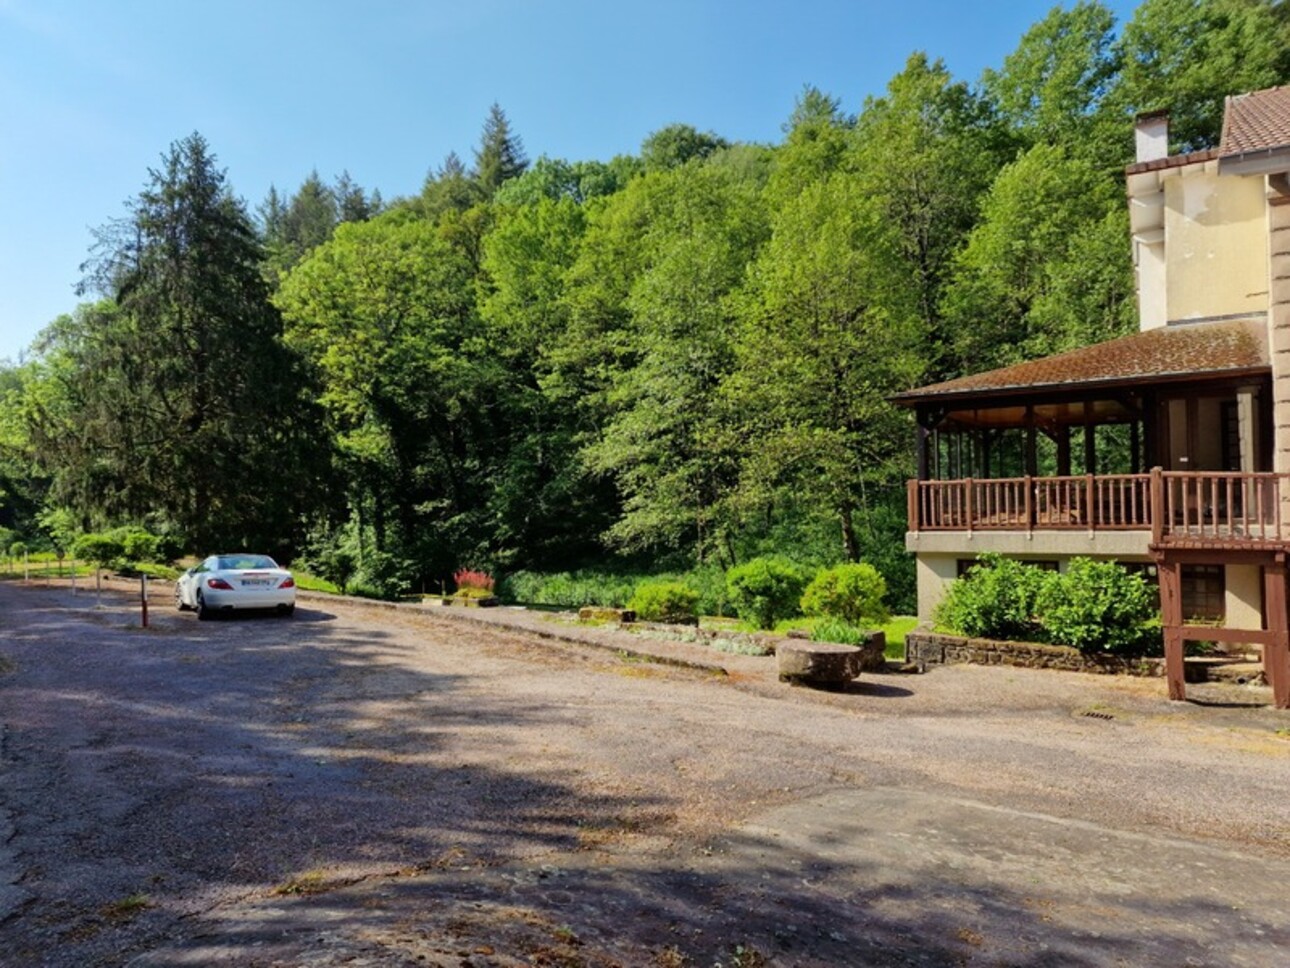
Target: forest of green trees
(674, 359)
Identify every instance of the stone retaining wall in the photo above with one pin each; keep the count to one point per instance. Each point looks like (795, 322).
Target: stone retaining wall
(930, 648)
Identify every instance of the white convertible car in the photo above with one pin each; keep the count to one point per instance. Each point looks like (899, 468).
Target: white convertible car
(225, 582)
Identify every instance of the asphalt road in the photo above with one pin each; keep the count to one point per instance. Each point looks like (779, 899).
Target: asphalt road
(362, 787)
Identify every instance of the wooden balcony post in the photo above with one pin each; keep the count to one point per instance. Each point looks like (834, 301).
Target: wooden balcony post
(911, 505)
(967, 504)
(1172, 618)
(1276, 651)
(1157, 509)
(1090, 503)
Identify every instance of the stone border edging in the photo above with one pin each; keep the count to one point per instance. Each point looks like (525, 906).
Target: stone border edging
(494, 619)
(934, 648)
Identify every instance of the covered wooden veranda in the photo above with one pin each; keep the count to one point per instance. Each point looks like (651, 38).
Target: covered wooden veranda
(1167, 432)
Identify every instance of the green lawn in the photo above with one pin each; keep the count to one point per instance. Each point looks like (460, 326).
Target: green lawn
(40, 565)
(896, 630)
(312, 583)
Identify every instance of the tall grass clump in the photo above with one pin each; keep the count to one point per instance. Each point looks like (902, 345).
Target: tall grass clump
(569, 589)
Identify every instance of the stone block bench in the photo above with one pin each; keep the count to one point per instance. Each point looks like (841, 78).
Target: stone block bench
(820, 664)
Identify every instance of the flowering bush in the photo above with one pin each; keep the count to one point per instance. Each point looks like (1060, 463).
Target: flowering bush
(473, 584)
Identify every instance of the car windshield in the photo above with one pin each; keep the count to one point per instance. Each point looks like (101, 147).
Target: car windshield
(244, 562)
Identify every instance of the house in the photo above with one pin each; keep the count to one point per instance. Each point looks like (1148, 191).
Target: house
(1167, 450)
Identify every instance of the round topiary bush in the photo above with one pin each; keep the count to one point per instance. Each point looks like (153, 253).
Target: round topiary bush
(665, 601)
(765, 590)
(851, 592)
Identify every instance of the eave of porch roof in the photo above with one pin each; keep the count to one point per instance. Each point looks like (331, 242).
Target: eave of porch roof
(1221, 349)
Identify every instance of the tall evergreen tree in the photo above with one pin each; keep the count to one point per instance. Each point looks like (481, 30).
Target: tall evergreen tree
(294, 227)
(186, 402)
(352, 203)
(500, 155)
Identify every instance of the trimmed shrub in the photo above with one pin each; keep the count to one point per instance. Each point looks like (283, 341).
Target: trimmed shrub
(138, 545)
(765, 590)
(1094, 606)
(995, 600)
(101, 549)
(665, 601)
(1097, 606)
(853, 593)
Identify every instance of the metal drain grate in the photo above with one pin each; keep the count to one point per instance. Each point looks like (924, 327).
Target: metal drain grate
(1097, 714)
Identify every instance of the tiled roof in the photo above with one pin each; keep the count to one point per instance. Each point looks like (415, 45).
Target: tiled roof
(1170, 352)
(1172, 161)
(1258, 121)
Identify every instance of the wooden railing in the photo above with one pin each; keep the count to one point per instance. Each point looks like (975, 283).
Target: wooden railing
(1173, 505)
(1217, 506)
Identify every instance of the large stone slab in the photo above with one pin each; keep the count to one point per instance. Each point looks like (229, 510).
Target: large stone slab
(821, 664)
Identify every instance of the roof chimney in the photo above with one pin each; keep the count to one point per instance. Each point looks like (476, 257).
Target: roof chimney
(1151, 135)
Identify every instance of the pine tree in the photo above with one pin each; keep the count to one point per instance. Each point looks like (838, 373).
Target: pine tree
(500, 155)
(187, 403)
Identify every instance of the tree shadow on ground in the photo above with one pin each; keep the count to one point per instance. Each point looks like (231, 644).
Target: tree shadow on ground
(301, 793)
(218, 758)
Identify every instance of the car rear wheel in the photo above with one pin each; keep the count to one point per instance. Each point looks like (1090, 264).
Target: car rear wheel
(203, 613)
(287, 610)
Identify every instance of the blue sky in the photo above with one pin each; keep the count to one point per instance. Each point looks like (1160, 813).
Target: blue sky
(92, 92)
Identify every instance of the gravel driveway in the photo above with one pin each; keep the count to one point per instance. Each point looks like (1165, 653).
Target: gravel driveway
(364, 787)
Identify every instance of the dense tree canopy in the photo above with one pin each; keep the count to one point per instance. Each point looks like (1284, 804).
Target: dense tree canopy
(683, 355)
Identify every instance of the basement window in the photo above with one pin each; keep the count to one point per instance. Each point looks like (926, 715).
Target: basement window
(1204, 589)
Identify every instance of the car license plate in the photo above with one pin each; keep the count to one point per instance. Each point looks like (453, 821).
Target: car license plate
(256, 582)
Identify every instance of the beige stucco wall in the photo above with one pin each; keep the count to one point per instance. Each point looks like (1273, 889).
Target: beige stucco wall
(1243, 585)
(1150, 269)
(935, 572)
(1215, 244)
(1243, 597)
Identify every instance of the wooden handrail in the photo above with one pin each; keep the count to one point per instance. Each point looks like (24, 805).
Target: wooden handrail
(1172, 505)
